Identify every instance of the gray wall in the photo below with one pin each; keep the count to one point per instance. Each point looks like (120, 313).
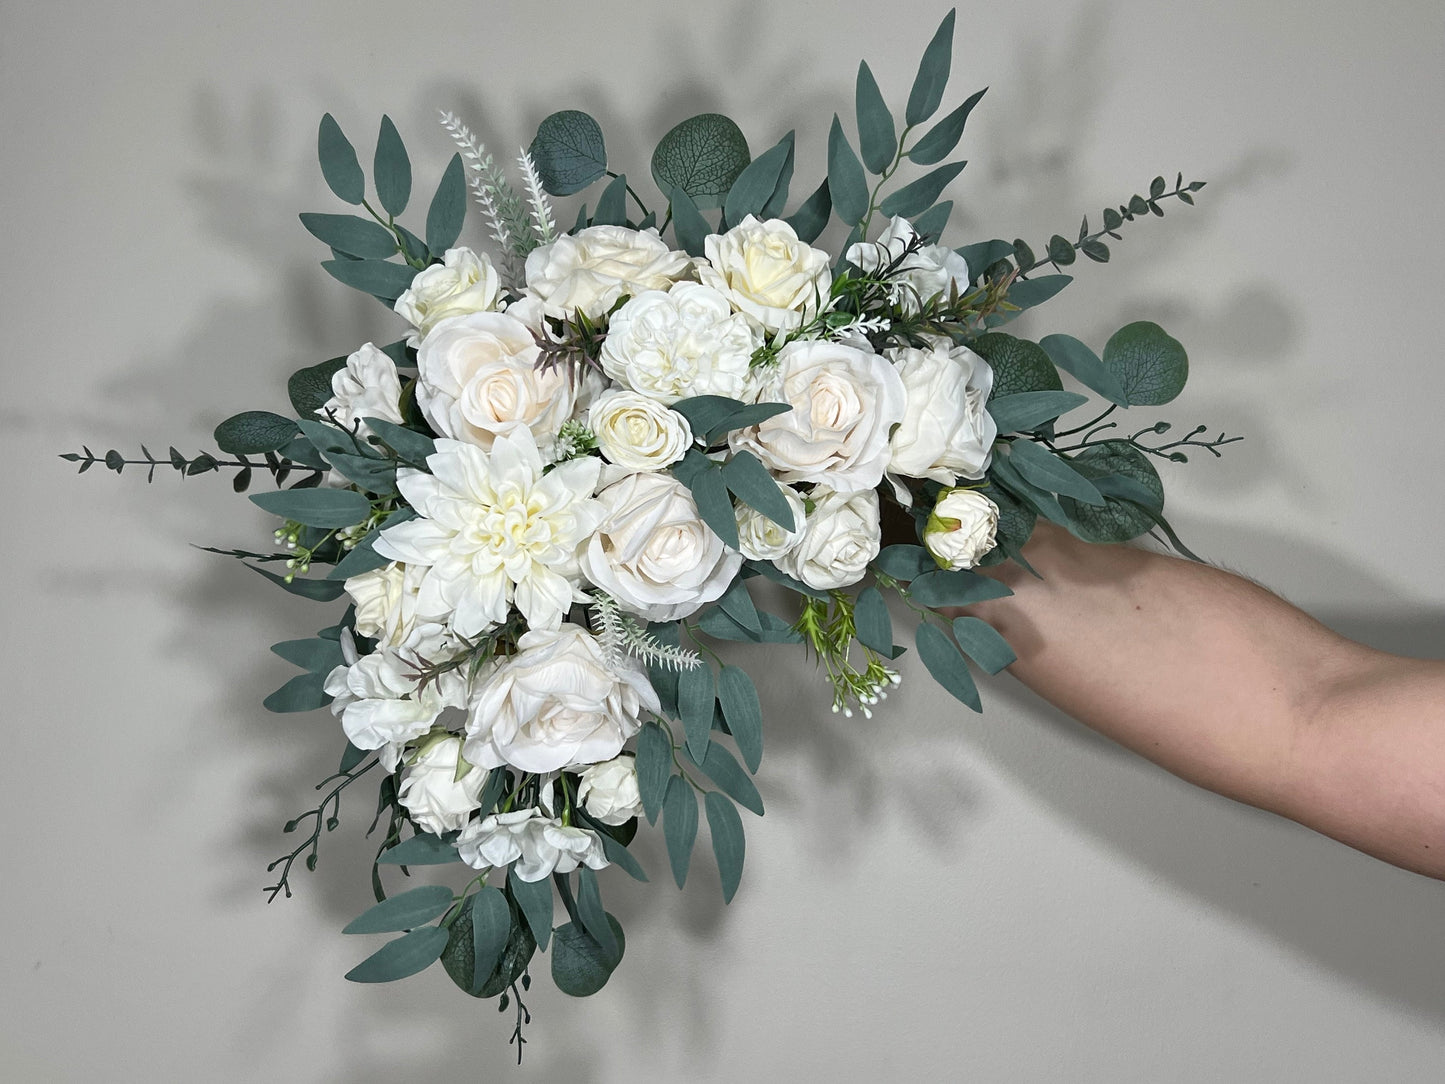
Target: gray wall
(932, 894)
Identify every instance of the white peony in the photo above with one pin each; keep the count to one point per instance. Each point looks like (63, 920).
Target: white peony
(590, 270)
(557, 703)
(678, 344)
(844, 399)
(653, 553)
(636, 432)
(947, 431)
(386, 609)
(608, 791)
(477, 380)
(766, 272)
(493, 530)
(368, 387)
(432, 793)
(377, 701)
(925, 272)
(841, 535)
(538, 844)
(464, 282)
(761, 539)
(961, 529)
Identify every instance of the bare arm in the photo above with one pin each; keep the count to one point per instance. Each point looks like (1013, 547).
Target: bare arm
(1226, 685)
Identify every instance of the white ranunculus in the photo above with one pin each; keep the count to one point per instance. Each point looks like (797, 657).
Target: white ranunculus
(556, 703)
(761, 539)
(947, 431)
(652, 551)
(538, 844)
(431, 792)
(841, 535)
(684, 342)
(636, 432)
(492, 529)
(765, 271)
(925, 272)
(377, 701)
(590, 270)
(386, 609)
(608, 791)
(962, 528)
(844, 399)
(368, 387)
(464, 282)
(477, 380)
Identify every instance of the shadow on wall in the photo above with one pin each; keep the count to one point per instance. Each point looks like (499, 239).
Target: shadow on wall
(1356, 917)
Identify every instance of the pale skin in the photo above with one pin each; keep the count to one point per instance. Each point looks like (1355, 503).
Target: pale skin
(1226, 685)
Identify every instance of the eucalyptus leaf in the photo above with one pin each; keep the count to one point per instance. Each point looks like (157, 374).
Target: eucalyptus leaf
(338, 162)
(314, 655)
(690, 228)
(1028, 293)
(947, 665)
(654, 766)
(928, 85)
(877, 138)
(738, 604)
(316, 507)
(594, 918)
(904, 562)
(254, 432)
(534, 900)
(984, 254)
(917, 197)
(956, 587)
(379, 278)
(679, 826)
(580, 966)
(316, 590)
(351, 234)
(709, 492)
(744, 714)
(1025, 411)
(408, 954)
(448, 210)
(569, 152)
(1076, 359)
(982, 643)
(612, 204)
(728, 846)
(727, 773)
(405, 911)
(1150, 366)
(874, 625)
(309, 389)
(391, 170)
(1115, 521)
(940, 140)
(703, 157)
(748, 480)
(756, 185)
(809, 220)
(422, 849)
(847, 184)
(491, 919)
(412, 447)
(304, 692)
(696, 693)
(771, 629)
(931, 224)
(1050, 472)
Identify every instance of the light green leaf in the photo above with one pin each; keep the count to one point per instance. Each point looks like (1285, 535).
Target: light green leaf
(703, 157)
(408, 954)
(569, 152)
(316, 507)
(728, 846)
(1025, 411)
(913, 199)
(938, 144)
(679, 826)
(338, 162)
(846, 182)
(982, 643)
(406, 911)
(391, 171)
(1150, 366)
(877, 138)
(254, 432)
(947, 666)
(928, 85)
(739, 699)
(448, 208)
(580, 966)
(359, 237)
(1076, 359)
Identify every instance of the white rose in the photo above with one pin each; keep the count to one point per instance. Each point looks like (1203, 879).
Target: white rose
(377, 701)
(478, 380)
(368, 387)
(540, 845)
(653, 553)
(840, 537)
(636, 432)
(766, 272)
(844, 400)
(556, 704)
(433, 795)
(947, 431)
(591, 269)
(962, 528)
(464, 282)
(761, 539)
(386, 608)
(608, 791)
(925, 272)
(685, 342)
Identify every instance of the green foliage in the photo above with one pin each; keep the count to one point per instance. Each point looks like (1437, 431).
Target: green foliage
(904, 562)
(771, 629)
(749, 481)
(351, 234)
(382, 279)
(1115, 521)
(408, 954)
(1076, 359)
(983, 255)
(391, 170)
(405, 911)
(728, 774)
(981, 642)
(938, 143)
(688, 224)
(744, 714)
(1026, 294)
(580, 966)
(491, 922)
(1150, 366)
(874, 625)
(728, 846)
(316, 507)
(696, 694)
(411, 447)
(928, 85)
(877, 137)
(679, 826)
(762, 187)
(254, 432)
(1018, 365)
(958, 587)
(714, 416)
(847, 185)
(1051, 473)
(594, 919)
(737, 603)
(569, 152)
(654, 767)
(316, 655)
(422, 849)
(534, 899)
(1026, 411)
(612, 204)
(621, 857)
(304, 692)
(459, 955)
(448, 210)
(931, 224)
(1015, 525)
(338, 162)
(917, 197)
(309, 389)
(947, 665)
(703, 157)
(809, 220)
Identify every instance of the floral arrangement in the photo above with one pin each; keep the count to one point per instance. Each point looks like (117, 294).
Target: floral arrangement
(550, 498)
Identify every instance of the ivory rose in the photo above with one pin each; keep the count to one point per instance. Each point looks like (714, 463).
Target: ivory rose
(947, 431)
(590, 270)
(766, 272)
(464, 282)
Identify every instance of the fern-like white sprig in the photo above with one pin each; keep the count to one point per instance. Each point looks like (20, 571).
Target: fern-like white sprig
(620, 634)
(546, 227)
(511, 228)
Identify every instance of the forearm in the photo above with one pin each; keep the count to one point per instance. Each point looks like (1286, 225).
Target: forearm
(1228, 686)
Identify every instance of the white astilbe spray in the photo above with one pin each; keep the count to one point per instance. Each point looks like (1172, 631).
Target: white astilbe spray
(619, 634)
(541, 206)
(511, 227)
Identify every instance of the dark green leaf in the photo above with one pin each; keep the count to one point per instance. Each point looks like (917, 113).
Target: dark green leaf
(619, 855)
(359, 237)
(405, 911)
(955, 588)
(254, 432)
(459, 958)
(594, 918)
(703, 157)
(737, 603)
(415, 249)
(316, 507)
(408, 954)
(728, 774)
(422, 849)
(304, 692)
(904, 562)
(612, 204)
(705, 413)
(1018, 365)
(932, 77)
(1097, 250)
(931, 224)
(877, 138)
(310, 388)
(379, 278)
(302, 451)
(1061, 250)
(351, 756)
(1150, 366)
(688, 224)
(491, 918)
(1076, 359)
(809, 220)
(756, 185)
(710, 494)
(1157, 187)
(1005, 473)
(938, 144)
(875, 627)
(847, 184)
(569, 152)
(772, 629)
(580, 966)
(316, 590)
(749, 481)
(448, 208)
(1116, 521)
(534, 898)
(947, 666)
(315, 655)
(1049, 472)
(984, 254)
(770, 571)
(728, 846)
(654, 766)
(744, 715)
(338, 162)
(391, 170)
(695, 695)
(1023, 255)
(413, 447)
(745, 417)
(982, 643)
(913, 199)
(679, 826)
(1025, 411)
(1112, 219)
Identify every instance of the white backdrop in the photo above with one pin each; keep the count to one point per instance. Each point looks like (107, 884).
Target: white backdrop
(932, 894)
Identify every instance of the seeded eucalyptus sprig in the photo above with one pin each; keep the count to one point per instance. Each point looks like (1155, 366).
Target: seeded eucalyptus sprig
(279, 467)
